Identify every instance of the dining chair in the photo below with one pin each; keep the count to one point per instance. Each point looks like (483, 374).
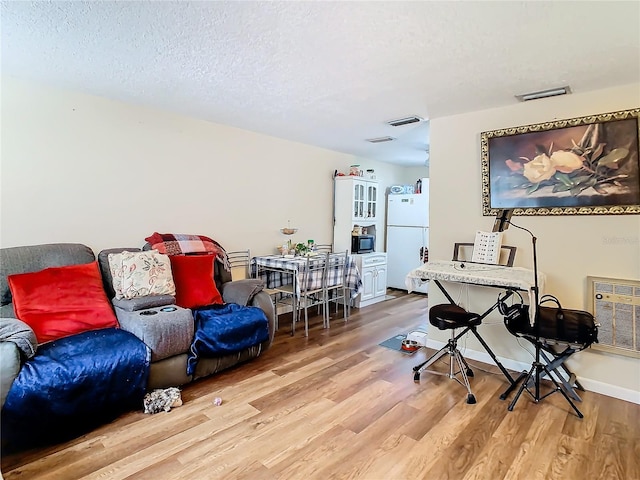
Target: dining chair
(239, 261)
(336, 289)
(324, 247)
(310, 280)
(312, 288)
(281, 296)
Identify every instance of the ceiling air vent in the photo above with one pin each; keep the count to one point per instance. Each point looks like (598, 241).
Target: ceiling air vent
(404, 121)
(380, 139)
(552, 92)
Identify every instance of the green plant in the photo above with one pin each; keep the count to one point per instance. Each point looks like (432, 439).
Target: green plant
(301, 248)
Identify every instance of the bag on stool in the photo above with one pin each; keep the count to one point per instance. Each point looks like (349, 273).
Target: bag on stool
(555, 323)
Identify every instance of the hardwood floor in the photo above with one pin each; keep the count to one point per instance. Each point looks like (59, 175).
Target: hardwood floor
(338, 405)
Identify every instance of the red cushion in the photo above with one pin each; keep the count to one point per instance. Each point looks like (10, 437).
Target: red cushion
(61, 301)
(193, 276)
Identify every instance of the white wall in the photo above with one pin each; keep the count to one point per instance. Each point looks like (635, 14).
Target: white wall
(78, 168)
(569, 247)
(411, 174)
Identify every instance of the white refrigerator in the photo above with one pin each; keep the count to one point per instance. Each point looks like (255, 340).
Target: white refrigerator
(407, 236)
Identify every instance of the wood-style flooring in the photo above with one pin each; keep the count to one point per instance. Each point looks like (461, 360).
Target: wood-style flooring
(338, 405)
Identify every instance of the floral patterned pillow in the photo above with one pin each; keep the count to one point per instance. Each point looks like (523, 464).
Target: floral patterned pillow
(115, 267)
(144, 273)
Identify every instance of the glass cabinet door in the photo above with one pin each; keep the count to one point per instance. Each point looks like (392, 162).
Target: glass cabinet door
(358, 201)
(372, 201)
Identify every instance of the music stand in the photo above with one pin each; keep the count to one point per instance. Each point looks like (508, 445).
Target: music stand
(503, 220)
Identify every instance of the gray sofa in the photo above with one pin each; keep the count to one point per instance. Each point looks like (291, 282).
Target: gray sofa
(168, 334)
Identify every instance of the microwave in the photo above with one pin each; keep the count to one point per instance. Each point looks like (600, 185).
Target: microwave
(363, 243)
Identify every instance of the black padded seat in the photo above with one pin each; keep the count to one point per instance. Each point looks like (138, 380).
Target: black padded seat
(447, 316)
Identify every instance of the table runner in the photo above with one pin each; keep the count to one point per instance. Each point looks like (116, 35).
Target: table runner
(477, 274)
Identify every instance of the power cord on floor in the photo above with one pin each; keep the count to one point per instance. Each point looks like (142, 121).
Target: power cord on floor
(525, 348)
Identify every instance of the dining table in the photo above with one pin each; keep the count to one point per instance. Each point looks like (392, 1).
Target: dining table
(280, 270)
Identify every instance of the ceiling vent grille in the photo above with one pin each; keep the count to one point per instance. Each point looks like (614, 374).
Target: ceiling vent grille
(380, 139)
(552, 92)
(404, 121)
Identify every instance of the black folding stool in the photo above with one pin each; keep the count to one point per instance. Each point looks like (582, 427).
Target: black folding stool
(553, 352)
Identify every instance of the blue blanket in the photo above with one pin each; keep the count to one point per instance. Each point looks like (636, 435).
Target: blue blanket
(226, 329)
(75, 384)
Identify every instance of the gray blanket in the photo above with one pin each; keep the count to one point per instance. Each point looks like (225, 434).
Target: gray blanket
(241, 291)
(18, 332)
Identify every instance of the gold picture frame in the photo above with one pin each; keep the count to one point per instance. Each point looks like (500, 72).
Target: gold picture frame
(578, 166)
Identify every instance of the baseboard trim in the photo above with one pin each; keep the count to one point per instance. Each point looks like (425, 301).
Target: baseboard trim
(611, 390)
(595, 386)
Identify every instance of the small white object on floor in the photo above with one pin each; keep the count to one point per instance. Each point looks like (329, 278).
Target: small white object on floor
(419, 337)
(217, 401)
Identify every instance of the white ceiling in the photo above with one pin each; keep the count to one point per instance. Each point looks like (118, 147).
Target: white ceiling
(323, 73)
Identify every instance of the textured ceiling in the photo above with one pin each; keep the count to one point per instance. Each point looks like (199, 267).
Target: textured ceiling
(323, 73)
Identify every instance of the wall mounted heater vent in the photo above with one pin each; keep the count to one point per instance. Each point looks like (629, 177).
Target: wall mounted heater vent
(615, 304)
(380, 139)
(404, 121)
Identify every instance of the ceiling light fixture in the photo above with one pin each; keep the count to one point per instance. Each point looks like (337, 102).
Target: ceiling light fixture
(404, 121)
(380, 139)
(552, 92)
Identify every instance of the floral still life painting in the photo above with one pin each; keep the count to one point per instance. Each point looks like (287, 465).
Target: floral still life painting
(578, 166)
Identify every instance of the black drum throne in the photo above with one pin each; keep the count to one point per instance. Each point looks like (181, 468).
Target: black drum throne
(451, 317)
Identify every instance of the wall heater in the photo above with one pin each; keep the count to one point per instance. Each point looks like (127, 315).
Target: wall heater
(615, 304)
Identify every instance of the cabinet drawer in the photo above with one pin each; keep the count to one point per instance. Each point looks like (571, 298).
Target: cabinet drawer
(374, 259)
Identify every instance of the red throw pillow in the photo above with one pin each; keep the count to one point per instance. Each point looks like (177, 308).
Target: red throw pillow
(193, 276)
(60, 301)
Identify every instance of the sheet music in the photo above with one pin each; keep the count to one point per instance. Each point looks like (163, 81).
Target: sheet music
(486, 247)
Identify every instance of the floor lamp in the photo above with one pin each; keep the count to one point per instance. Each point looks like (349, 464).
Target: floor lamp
(502, 222)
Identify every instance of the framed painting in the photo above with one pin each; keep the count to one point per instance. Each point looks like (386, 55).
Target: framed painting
(585, 165)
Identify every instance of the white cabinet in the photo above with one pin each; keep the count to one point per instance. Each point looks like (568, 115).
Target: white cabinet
(373, 270)
(380, 282)
(356, 203)
(361, 194)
